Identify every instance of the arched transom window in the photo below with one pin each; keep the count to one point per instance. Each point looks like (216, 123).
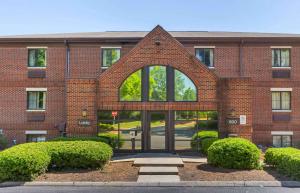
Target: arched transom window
(158, 83)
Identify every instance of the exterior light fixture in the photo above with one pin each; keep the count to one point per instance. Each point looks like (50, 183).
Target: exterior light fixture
(84, 113)
(157, 41)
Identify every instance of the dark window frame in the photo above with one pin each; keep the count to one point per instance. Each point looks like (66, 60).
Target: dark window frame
(281, 141)
(36, 54)
(213, 60)
(290, 94)
(102, 55)
(280, 57)
(170, 79)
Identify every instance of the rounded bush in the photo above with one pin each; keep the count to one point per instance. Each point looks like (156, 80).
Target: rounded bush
(23, 162)
(26, 161)
(97, 139)
(199, 136)
(235, 153)
(206, 143)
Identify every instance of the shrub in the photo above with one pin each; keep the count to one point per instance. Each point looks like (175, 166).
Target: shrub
(3, 142)
(206, 143)
(23, 162)
(112, 139)
(235, 153)
(97, 139)
(105, 127)
(26, 161)
(286, 160)
(198, 137)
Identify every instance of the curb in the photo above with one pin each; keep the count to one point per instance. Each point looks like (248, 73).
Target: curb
(162, 184)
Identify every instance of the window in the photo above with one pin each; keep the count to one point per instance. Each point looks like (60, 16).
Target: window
(35, 138)
(206, 56)
(36, 100)
(37, 57)
(281, 57)
(185, 89)
(281, 100)
(282, 140)
(131, 89)
(158, 83)
(110, 56)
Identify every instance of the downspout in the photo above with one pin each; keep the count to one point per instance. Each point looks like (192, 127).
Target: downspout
(67, 76)
(241, 58)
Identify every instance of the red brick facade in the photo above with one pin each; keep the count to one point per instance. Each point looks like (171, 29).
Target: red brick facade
(241, 80)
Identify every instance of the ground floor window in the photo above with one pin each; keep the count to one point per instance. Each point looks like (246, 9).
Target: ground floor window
(282, 140)
(35, 138)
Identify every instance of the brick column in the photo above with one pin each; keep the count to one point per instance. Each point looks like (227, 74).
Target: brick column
(235, 96)
(81, 95)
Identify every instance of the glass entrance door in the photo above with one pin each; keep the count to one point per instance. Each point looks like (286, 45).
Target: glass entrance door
(157, 130)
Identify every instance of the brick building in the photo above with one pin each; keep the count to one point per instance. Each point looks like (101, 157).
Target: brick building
(153, 90)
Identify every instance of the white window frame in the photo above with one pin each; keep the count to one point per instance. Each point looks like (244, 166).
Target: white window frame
(37, 47)
(282, 47)
(36, 90)
(283, 90)
(207, 47)
(108, 47)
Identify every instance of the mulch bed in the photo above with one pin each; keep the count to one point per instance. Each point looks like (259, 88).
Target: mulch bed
(121, 171)
(205, 172)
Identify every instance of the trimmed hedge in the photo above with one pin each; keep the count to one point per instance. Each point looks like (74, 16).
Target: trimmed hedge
(108, 138)
(26, 161)
(206, 143)
(198, 137)
(235, 153)
(286, 160)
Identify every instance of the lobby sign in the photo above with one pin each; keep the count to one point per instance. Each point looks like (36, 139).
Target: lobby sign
(84, 122)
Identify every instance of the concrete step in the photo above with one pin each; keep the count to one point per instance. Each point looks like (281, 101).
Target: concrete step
(158, 178)
(166, 161)
(158, 171)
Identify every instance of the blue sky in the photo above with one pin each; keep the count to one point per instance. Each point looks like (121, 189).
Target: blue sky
(56, 16)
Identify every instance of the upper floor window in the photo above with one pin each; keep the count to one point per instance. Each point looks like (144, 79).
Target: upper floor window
(205, 55)
(36, 57)
(158, 83)
(110, 56)
(281, 57)
(36, 99)
(281, 100)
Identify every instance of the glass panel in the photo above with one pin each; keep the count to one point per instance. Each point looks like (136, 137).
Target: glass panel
(286, 100)
(277, 141)
(211, 58)
(126, 140)
(32, 100)
(110, 56)
(31, 58)
(41, 58)
(285, 57)
(131, 88)
(35, 138)
(185, 115)
(157, 83)
(105, 115)
(275, 100)
(184, 130)
(157, 130)
(286, 141)
(41, 100)
(207, 57)
(200, 54)
(276, 57)
(185, 89)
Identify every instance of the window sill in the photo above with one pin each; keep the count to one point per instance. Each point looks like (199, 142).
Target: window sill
(38, 68)
(211, 67)
(35, 110)
(281, 111)
(104, 67)
(283, 68)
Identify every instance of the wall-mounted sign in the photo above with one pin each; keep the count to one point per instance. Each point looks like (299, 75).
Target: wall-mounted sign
(243, 119)
(84, 122)
(232, 121)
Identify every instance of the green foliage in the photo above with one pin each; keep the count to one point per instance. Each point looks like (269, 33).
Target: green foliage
(235, 153)
(112, 139)
(95, 138)
(157, 83)
(198, 137)
(286, 160)
(206, 143)
(26, 161)
(131, 89)
(185, 89)
(106, 127)
(3, 142)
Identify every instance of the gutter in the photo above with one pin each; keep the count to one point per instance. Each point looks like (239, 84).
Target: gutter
(241, 58)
